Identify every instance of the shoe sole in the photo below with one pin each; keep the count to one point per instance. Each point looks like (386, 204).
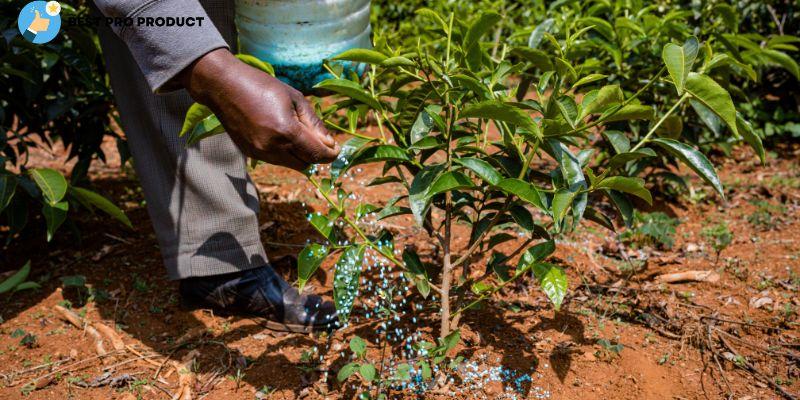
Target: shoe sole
(269, 324)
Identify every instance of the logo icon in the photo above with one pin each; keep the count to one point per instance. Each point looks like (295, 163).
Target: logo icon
(40, 21)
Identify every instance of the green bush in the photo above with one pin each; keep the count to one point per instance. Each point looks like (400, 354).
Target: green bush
(52, 91)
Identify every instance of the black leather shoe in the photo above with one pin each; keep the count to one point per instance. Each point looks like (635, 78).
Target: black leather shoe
(261, 292)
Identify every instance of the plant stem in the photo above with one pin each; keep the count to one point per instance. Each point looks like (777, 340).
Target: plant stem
(660, 121)
(447, 266)
(388, 255)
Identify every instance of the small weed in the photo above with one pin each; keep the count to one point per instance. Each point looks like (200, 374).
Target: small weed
(654, 229)
(737, 267)
(766, 216)
(718, 236)
(663, 359)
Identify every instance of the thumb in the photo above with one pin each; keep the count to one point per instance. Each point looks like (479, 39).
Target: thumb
(38, 16)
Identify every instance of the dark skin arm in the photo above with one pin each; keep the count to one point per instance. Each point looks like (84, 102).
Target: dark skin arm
(268, 120)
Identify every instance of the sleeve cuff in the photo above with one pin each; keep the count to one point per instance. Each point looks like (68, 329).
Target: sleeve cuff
(164, 51)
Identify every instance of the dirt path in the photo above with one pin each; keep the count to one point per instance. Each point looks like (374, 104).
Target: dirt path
(620, 334)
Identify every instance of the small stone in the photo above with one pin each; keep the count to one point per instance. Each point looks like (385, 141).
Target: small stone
(73, 353)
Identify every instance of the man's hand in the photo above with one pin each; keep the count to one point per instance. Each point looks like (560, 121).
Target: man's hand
(266, 118)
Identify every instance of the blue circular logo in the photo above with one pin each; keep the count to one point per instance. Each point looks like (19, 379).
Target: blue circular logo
(40, 21)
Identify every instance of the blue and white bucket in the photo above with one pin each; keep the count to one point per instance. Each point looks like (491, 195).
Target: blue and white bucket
(295, 36)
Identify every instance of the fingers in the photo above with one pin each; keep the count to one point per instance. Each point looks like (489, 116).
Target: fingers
(312, 141)
(307, 117)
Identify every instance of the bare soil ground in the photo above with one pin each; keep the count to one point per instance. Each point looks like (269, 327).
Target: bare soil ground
(620, 335)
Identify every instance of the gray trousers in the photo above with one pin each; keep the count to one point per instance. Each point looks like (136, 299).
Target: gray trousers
(202, 202)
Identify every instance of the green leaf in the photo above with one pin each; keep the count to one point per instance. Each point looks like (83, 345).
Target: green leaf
(350, 89)
(14, 280)
(538, 33)
(634, 186)
(196, 113)
(418, 198)
(694, 159)
(623, 158)
(452, 180)
(322, 224)
(367, 56)
(607, 96)
(308, 261)
(403, 372)
(345, 280)
(358, 346)
(553, 282)
(349, 148)
(713, 96)
(535, 254)
(479, 28)
(711, 120)
(425, 369)
(346, 371)
(8, 185)
(398, 62)
(368, 372)
(589, 79)
(54, 215)
(256, 63)
(481, 168)
(499, 111)
(632, 111)
(105, 205)
(27, 286)
(427, 12)
(623, 205)
(618, 140)
(784, 60)
(562, 199)
(51, 182)
(538, 58)
(523, 190)
(207, 127)
(745, 129)
(679, 61)
(383, 152)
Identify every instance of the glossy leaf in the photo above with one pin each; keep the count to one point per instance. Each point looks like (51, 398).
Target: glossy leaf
(418, 198)
(196, 113)
(482, 168)
(523, 190)
(256, 63)
(694, 160)
(499, 111)
(54, 216)
(713, 96)
(15, 280)
(449, 181)
(345, 280)
(679, 61)
(52, 184)
(367, 56)
(553, 282)
(207, 127)
(748, 134)
(632, 185)
(350, 89)
(105, 205)
(479, 28)
(308, 261)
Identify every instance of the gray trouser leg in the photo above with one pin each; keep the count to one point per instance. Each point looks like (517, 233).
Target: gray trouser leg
(202, 202)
